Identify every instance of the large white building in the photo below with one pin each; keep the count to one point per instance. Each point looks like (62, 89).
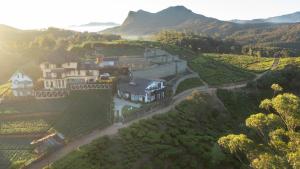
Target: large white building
(59, 76)
(21, 84)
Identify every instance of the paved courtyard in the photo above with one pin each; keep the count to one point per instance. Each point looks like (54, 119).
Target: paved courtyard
(120, 103)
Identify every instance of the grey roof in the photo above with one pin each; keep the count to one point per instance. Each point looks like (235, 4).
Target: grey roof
(137, 86)
(88, 66)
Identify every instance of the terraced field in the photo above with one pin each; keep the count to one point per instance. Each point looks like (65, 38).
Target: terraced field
(15, 152)
(188, 84)
(20, 122)
(216, 72)
(286, 61)
(23, 126)
(248, 63)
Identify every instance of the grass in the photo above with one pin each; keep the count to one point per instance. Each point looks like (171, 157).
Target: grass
(188, 84)
(215, 72)
(247, 63)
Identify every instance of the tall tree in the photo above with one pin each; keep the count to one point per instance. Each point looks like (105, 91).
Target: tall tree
(281, 146)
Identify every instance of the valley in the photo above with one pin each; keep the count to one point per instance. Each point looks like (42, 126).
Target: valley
(169, 89)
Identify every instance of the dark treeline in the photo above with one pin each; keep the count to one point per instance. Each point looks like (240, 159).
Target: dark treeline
(204, 44)
(198, 43)
(265, 51)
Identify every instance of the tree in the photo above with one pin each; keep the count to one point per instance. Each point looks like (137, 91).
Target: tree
(281, 146)
(276, 88)
(266, 104)
(269, 161)
(263, 123)
(288, 107)
(236, 144)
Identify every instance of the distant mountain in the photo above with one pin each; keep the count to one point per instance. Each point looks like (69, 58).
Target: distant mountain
(179, 18)
(175, 18)
(5, 28)
(289, 18)
(99, 24)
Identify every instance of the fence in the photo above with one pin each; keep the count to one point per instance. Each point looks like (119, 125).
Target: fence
(61, 93)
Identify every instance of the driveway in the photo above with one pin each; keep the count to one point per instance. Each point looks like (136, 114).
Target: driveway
(120, 103)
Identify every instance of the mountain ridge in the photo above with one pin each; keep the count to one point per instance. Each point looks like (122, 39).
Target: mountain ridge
(143, 22)
(286, 18)
(179, 18)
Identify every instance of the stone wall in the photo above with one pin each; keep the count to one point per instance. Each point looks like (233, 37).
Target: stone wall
(161, 70)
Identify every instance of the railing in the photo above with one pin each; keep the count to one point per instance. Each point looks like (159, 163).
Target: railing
(86, 86)
(55, 94)
(61, 93)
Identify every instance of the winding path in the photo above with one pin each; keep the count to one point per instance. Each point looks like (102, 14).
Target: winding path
(113, 129)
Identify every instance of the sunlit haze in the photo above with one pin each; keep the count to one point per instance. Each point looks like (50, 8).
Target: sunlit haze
(29, 14)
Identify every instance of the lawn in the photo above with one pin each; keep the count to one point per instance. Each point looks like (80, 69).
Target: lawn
(248, 63)
(215, 72)
(188, 84)
(183, 138)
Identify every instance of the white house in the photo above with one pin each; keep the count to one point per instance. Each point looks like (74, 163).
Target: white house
(21, 84)
(142, 90)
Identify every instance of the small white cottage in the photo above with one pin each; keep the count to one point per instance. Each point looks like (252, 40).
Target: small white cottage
(21, 84)
(142, 90)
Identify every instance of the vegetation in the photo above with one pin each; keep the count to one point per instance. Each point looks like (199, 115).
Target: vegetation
(128, 110)
(289, 77)
(77, 114)
(215, 72)
(182, 138)
(289, 61)
(188, 84)
(23, 127)
(197, 43)
(5, 90)
(248, 63)
(73, 116)
(274, 143)
(15, 152)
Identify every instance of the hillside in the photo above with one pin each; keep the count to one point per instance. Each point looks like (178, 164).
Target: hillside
(288, 18)
(177, 18)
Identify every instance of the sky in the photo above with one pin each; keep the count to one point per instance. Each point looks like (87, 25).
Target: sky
(35, 14)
